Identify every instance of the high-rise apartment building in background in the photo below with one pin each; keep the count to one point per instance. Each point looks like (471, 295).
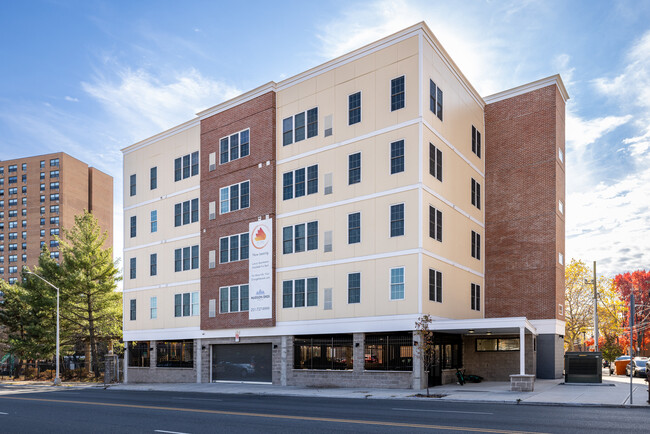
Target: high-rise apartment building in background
(39, 195)
(294, 234)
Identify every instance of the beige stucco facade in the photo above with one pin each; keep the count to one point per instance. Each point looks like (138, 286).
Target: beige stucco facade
(159, 151)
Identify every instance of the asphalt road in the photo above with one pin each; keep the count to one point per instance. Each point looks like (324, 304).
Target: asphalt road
(24, 410)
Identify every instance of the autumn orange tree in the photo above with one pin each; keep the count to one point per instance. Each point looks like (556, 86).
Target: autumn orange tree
(637, 283)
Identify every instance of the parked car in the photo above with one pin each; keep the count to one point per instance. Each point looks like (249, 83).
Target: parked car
(637, 367)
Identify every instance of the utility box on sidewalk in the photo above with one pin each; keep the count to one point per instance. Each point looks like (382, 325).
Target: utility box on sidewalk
(583, 367)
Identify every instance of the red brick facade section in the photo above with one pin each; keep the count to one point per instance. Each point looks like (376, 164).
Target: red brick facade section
(524, 228)
(257, 114)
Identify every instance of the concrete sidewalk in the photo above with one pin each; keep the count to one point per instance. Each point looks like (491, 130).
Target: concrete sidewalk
(614, 391)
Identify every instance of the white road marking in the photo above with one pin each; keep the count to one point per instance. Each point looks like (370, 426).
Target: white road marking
(3, 413)
(169, 432)
(441, 411)
(201, 399)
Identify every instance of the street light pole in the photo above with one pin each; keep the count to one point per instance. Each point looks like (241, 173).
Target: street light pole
(57, 379)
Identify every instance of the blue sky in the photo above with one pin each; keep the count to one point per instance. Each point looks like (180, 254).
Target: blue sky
(91, 77)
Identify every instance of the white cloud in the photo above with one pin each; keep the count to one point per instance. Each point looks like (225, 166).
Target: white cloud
(582, 132)
(71, 99)
(145, 104)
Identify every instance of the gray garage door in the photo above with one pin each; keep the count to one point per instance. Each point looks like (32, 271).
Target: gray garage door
(241, 362)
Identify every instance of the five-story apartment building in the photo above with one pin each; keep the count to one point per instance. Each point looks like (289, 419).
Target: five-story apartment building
(333, 210)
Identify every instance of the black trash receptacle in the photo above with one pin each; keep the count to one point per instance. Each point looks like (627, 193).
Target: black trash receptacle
(583, 367)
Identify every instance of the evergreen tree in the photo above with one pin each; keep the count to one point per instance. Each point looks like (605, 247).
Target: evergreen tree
(91, 308)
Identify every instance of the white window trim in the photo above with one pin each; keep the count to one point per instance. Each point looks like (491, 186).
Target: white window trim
(347, 282)
(293, 292)
(293, 237)
(360, 92)
(389, 219)
(238, 285)
(390, 143)
(390, 284)
(228, 187)
(390, 94)
(348, 227)
(238, 146)
(360, 168)
(240, 245)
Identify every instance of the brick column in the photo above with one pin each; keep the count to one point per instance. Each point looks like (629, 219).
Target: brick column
(198, 366)
(154, 355)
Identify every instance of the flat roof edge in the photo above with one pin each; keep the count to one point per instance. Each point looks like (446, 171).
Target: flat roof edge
(529, 87)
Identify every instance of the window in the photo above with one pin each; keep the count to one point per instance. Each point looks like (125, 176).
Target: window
(233, 248)
(55, 174)
(354, 168)
(54, 231)
(186, 304)
(476, 141)
(212, 210)
(435, 224)
(354, 288)
(435, 162)
(497, 344)
(186, 212)
(299, 238)
(13, 168)
(235, 146)
(323, 352)
(54, 220)
(212, 308)
(560, 206)
(132, 309)
(397, 100)
(24, 167)
(476, 194)
(397, 220)
(42, 232)
(54, 162)
(476, 245)
(560, 258)
(186, 166)
(133, 226)
(139, 354)
(54, 209)
(153, 264)
(300, 292)
(475, 296)
(153, 178)
(154, 221)
(186, 258)
(13, 202)
(131, 185)
(132, 268)
(54, 197)
(54, 243)
(435, 286)
(389, 352)
(24, 189)
(354, 228)
(175, 354)
(13, 191)
(234, 197)
(397, 157)
(13, 180)
(24, 178)
(293, 127)
(233, 299)
(153, 307)
(42, 164)
(354, 108)
(435, 99)
(293, 183)
(397, 283)
(560, 155)
(42, 198)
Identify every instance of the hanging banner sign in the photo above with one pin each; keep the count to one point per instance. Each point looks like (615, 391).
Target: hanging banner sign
(260, 269)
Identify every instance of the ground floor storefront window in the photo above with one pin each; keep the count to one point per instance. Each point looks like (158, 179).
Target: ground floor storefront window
(139, 354)
(175, 354)
(323, 352)
(389, 352)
